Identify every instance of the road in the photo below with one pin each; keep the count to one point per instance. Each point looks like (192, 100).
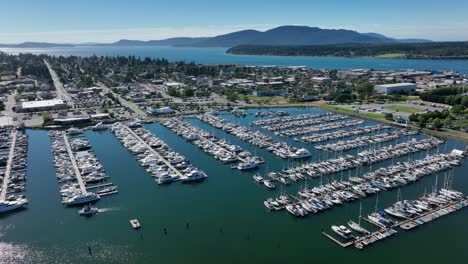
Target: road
(61, 92)
(130, 105)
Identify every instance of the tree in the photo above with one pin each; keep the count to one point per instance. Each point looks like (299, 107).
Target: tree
(437, 123)
(188, 92)
(388, 116)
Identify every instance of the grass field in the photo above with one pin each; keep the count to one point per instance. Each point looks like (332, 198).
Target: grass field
(350, 111)
(391, 56)
(406, 109)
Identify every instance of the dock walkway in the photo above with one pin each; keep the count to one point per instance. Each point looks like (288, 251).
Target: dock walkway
(164, 160)
(6, 179)
(75, 166)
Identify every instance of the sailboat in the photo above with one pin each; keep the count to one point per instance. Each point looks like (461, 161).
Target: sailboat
(357, 226)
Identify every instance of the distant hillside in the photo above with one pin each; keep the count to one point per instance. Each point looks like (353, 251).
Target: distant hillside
(287, 35)
(279, 36)
(163, 42)
(432, 50)
(394, 40)
(35, 45)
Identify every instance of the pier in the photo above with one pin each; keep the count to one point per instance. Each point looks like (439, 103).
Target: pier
(6, 179)
(73, 162)
(164, 160)
(407, 224)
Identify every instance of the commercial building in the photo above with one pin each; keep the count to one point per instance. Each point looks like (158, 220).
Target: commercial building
(43, 105)
(394, 88)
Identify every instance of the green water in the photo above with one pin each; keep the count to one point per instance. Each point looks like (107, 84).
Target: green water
(227, 222)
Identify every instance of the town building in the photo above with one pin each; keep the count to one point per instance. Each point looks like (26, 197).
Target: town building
(394, 88)
(43, 105)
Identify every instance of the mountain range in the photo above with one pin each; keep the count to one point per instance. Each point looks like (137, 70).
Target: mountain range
(279, 36)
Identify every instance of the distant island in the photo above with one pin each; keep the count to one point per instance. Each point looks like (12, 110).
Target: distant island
(432, 50)
(283, 35)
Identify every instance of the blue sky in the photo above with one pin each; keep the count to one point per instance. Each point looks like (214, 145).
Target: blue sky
(105, 20)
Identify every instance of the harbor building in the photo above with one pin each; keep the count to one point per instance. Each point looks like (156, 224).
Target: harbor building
(394, 88)
(43, 105)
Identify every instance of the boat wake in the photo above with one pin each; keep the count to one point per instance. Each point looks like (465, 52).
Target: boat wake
(111, 209)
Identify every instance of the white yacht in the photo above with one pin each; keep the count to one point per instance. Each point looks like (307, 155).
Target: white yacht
(6, 206)
(269, 184)
(99, 126)
(194, 175)
(165, 178)
(342, 231)
(73, 131)
(82, 198)
(258, 178)
(300, 154)
(249, 165)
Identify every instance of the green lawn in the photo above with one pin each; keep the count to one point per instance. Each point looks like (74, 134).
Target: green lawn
(350, 111)
(406, 109)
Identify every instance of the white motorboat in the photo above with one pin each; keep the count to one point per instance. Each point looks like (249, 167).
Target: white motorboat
(166, 178)
(300, 154)
(88, 210)
(82, 198)
(6, 206)
(258, 178)
(269, 184)
(194, 175)
(342, 231)
(99, 126)
(247, 165)
(135, 224)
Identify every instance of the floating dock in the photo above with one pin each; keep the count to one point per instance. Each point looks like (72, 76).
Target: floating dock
(6, 179)
(164, 160)
(75, 166)
(408, 224)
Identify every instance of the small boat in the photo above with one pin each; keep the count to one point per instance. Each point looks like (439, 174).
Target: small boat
(342, 231)
(99, 126)
(88, 210)
(135, 224)
(269, 184)
(258, 178)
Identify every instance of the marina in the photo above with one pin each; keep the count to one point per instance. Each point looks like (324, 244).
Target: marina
(423, 210)
(337, 192)
(218, 148)
(318, 128)
(325, 118)
(78, 169)
(329, 189)
(159, 159)
(13, 171)
(365, 141)
(318, 137)
(256, 138)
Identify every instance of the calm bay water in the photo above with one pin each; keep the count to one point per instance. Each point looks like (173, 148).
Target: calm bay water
(218, 56)
(227, 220)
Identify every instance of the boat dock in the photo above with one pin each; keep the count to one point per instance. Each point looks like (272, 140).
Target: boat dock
(73, 162)
(6, 179)
(164, 160)
(408, 224)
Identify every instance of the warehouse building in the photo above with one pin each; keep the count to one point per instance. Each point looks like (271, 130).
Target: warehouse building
(43, 105)
(394, 88)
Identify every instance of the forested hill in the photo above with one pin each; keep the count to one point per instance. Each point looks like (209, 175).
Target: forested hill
(433, 50)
